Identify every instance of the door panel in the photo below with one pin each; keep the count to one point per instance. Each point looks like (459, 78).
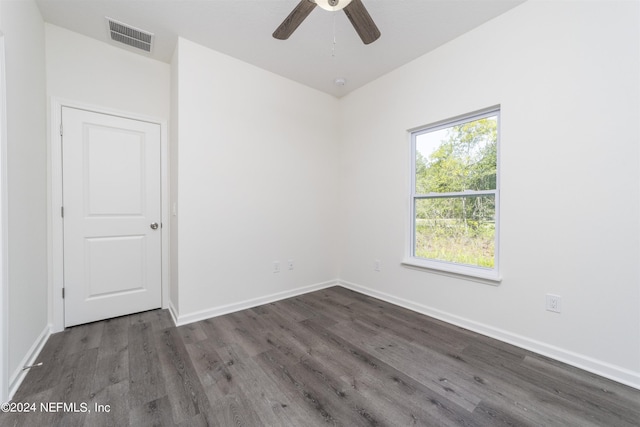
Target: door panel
(125, 252)
(111, 196)
(114, 171)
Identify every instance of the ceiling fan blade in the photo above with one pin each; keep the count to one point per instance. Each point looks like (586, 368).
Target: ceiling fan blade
(362, 21)
(295, 18)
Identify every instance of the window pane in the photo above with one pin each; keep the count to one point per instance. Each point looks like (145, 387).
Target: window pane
(456, 229)
(457, 158)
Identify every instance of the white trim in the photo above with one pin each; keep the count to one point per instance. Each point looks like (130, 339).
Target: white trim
(29, 359)
(254, 302)
(4, 274)
(476, 274)
(56, 235)
(598, 367)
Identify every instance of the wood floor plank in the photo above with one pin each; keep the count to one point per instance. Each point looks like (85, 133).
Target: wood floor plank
(332, 357)
(299, 305)
(496, 416)
(442, 375)
(237, 328)
(186, 393)
(208, 364)
(319, 402)
(156, 412)
(542, 392)
(197, 421)
(31, 418)
(113, 355)
(579, 402)
(507, 392)
(234, 410)
(192, 332)
(452, 396)
(289, 309)
(217, 330)
(47, 375)
(604, 393)
(109, 406)
(293, 333)
(361, 364)
(461, 379)
(432, 334)
(349, 391)
(404, 399)
(157, 320)
(334, 308)
(146, 380)
(261, 394)
(75, 386)
(84, 337)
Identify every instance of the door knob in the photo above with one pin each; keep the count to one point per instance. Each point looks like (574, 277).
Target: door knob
(154, 226)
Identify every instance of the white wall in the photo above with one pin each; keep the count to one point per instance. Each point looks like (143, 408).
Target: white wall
(566, 75)
(26, 151)
(257, 183)
(85, 70)
(174, 294)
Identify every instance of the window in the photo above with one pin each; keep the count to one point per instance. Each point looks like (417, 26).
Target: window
(455, 195)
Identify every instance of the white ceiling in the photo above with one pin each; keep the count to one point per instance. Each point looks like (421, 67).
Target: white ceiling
(243, 28)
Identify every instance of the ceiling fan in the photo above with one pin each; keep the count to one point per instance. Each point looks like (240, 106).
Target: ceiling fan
(354, 9)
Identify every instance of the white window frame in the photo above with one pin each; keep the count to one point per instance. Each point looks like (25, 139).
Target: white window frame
(486, 275)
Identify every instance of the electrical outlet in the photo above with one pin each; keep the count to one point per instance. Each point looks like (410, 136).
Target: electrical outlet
(276, 266)
(554, 303)
(376, 265)
(290, 264)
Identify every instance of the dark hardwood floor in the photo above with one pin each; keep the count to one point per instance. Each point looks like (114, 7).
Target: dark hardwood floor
(332, 357)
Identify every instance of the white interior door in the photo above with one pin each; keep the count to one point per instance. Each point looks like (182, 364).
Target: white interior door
(112, 213)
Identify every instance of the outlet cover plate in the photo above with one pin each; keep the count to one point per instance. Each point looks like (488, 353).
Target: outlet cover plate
(554, 303)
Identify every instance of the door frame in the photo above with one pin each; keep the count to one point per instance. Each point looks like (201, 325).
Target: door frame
(56, 236)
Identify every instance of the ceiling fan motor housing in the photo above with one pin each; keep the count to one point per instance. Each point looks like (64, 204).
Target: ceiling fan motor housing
(332, 5)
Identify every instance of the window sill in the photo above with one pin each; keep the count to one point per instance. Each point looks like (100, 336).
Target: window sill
(481, 275)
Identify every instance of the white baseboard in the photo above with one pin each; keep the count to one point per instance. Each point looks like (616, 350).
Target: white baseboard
(29, 359)
(243, 305)
(598, 367)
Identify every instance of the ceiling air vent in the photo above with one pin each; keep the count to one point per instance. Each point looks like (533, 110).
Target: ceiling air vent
(129, 35)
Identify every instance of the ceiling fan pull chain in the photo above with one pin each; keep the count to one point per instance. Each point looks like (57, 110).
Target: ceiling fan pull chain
(333, 48)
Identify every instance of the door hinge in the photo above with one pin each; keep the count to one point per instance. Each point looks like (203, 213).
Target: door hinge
(62, 211)
(60, 129)
(62, 293)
